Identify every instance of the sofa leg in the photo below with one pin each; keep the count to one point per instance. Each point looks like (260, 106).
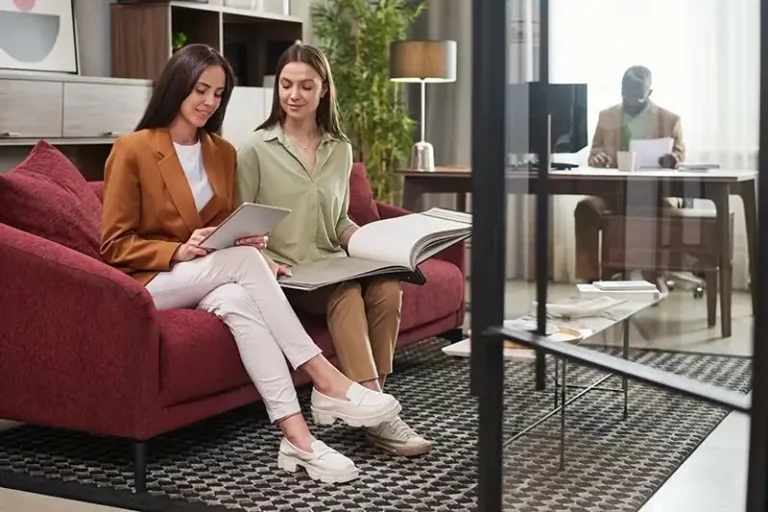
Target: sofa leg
(454, 335)
(140, 466)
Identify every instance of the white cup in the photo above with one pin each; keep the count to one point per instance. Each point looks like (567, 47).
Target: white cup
(626, 161)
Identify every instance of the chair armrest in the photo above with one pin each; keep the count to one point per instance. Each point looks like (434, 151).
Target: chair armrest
(455, 254)
(79, 342)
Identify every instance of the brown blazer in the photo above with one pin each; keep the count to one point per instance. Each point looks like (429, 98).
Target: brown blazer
(149, 209)
(607, 137)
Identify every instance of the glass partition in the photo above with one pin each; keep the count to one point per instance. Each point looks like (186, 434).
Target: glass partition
(615, 278)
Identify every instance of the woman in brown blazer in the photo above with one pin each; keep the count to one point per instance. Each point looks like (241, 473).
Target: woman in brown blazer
(167, 186)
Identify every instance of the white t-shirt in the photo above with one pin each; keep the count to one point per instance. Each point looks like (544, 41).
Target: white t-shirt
(191, 158)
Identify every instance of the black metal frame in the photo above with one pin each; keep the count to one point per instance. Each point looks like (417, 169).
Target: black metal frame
(489, 55)
(92, 493)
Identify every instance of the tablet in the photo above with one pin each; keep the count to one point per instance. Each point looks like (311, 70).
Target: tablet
(249, 219)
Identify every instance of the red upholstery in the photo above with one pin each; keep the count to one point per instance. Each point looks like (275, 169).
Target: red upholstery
(362, 207)
(84, 348)
(46, 195)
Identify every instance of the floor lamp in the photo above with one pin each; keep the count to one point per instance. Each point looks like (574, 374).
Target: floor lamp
(422, 62)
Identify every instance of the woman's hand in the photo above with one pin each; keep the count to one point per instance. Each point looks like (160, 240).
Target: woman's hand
(191, 249)
(277, 270)
(259, 241)
(280, 270)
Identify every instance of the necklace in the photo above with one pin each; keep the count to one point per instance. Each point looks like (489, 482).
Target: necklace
(307, 146)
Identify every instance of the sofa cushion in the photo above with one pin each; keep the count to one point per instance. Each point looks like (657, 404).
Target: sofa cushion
(199, 357)
(47, 196)
(362, 207)
(442, 295)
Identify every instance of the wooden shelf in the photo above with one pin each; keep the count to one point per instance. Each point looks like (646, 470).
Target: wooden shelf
(142, 35)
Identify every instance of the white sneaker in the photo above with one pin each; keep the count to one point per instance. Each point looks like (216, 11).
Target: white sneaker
(365, 408)
(395, 436)
(324, 463)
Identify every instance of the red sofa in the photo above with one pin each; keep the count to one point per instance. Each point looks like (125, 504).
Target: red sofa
(82, 346)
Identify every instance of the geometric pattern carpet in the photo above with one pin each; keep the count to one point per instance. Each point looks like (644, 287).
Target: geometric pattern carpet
(612, 464)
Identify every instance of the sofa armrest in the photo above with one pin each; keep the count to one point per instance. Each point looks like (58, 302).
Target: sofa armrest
(454, 254)
(389, 211)
(79, 344)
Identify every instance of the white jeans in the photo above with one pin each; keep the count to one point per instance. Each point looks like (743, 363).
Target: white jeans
(238, 286)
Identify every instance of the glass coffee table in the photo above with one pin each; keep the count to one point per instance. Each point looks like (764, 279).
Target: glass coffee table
(570, 330)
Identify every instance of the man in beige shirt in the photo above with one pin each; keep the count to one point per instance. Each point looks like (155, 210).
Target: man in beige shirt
(636, 117)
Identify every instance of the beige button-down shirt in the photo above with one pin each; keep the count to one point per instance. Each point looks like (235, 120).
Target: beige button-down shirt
(271, 172)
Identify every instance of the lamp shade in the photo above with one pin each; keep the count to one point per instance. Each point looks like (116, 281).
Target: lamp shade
(422, 61)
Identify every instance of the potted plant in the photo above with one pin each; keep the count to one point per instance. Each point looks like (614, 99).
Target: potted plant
(355, 35)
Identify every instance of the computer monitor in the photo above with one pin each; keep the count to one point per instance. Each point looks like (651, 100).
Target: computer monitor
(568, 121)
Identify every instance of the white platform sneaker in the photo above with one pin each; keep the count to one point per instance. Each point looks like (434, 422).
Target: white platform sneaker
(324, 464)
(365, 408)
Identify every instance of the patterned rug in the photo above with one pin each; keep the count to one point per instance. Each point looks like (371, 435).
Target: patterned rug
(612, 464)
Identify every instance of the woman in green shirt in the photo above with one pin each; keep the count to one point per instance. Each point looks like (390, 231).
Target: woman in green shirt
(300, 159)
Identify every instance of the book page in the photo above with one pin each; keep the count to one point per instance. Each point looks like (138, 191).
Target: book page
(453, 215)
(330, 271)
(393, 240)
(649, 151)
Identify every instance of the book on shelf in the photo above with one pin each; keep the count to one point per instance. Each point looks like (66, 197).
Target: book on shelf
(393, 246)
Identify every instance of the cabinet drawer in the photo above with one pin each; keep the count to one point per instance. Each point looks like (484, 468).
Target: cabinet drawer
(98, 110)
(30, 109)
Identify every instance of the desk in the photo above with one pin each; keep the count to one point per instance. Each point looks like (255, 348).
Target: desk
(612, 185)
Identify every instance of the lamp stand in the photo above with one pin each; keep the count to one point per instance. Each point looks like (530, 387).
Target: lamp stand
(422, 153)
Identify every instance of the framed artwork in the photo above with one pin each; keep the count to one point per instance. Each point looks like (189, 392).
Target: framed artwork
(38, 35)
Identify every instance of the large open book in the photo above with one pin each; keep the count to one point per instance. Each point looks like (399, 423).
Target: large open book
(387, 247)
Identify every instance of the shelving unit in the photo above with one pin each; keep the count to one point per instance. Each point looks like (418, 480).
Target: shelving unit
(252, 41)
(80, 115)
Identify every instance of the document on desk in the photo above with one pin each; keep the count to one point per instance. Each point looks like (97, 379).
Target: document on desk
(649, 151)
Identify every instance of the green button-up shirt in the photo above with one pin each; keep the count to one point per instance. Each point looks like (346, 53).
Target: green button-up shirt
(271, 172)
(637, 127)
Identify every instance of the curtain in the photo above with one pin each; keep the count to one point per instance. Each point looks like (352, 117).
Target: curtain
(448, 114)
(704, 56)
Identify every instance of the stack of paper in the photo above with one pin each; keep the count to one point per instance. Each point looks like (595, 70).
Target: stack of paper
(620, 289)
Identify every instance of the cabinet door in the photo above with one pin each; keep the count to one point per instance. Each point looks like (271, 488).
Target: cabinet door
(31, 109)
(103, 110)
(244, 113)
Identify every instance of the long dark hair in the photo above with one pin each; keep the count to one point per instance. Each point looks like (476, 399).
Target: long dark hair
(176, 82)
(328, 110)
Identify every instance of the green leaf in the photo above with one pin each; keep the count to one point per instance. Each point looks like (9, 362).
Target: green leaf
(355, 35)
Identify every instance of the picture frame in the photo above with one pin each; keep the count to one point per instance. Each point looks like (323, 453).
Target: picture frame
(38, 35)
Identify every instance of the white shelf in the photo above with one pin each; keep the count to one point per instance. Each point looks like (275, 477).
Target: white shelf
(236, 12)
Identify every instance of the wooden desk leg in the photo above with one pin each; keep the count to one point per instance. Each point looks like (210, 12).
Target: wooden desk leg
(411, 195)
(461, 202)
(747, 194)
(720, 196)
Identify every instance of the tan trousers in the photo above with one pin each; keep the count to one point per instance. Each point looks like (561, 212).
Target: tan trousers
(364, 320)
(588, 219)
